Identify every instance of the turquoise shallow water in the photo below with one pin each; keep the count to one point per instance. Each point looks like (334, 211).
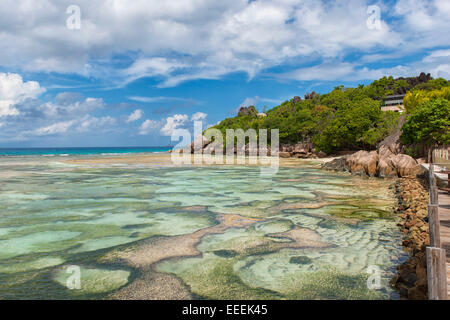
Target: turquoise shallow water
(53, 215)
(78, 151)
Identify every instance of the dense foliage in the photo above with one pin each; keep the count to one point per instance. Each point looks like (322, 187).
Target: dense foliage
(415, 98)
(429, 124)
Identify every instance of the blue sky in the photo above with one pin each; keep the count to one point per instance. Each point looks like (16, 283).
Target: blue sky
(133, 71)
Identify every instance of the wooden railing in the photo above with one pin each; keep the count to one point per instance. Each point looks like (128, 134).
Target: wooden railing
(441, 155)
(436, 256)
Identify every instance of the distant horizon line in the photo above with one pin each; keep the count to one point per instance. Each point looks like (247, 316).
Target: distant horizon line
(85, 147)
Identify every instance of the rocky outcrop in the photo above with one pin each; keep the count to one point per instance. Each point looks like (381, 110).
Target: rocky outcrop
(296, 100)
(412, 82)
(284, 154)
(212, 147)
(411, 278)
(247, 111)
(199, 144)
(310, 96)
(363, 162)
(203, 145)
(374, 164)
(386, 168)
(391, 144)
(300, 150)
(405, 165)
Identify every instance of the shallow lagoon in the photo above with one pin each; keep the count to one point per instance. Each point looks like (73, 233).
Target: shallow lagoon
(308, 234)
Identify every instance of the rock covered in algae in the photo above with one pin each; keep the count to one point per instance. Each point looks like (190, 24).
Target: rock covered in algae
(331, 284)
(38, 264)
(94, 281)
(300, 260)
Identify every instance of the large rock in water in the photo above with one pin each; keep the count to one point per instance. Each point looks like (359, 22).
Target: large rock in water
(284, 154)
(200, 142)
(302, 150)
(405, 165)
(339, 164)
(363, 162)
(212, 147)
(385, 168)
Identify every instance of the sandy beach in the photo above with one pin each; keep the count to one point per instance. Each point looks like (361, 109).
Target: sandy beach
(164, 159)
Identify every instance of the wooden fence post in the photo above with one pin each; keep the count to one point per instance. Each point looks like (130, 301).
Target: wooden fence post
(434, 195)
(436, 274)
(436, 257)
(433, 186)
(434, 225)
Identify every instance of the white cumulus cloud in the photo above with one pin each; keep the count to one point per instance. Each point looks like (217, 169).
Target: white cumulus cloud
(59, 127)
(173, 123)
(176, 41)
(14, 90)
(198, 116)
(147, 126)
(27, 116)
(136, 115)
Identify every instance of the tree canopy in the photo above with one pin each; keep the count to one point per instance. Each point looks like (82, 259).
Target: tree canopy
(428, 124)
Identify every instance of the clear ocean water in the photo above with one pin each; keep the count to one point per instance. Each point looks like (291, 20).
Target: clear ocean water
(79, 151)
(301, 234)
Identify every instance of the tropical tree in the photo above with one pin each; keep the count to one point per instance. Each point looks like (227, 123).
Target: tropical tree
(428, 124)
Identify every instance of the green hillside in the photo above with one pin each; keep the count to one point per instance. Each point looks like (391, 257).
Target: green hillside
(349, 118)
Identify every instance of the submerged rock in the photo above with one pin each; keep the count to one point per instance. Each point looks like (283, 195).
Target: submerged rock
(339, 164)
(225, 253)
(300, 260)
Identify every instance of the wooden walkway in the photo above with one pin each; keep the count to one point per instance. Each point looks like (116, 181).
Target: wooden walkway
(444, 219)
(438, 253)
